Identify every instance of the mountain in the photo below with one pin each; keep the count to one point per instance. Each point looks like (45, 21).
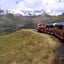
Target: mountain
(32, 13)
(10, 22)
(24, 12)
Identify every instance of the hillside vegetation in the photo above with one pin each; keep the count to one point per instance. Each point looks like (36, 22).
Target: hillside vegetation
(59, 18)
(28, 47)
(10, 23)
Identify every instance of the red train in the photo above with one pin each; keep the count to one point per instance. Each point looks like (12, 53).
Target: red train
(56, 29)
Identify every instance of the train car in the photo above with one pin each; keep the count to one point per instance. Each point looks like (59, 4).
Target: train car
(49, 27)
(56, 29)
(60, 30)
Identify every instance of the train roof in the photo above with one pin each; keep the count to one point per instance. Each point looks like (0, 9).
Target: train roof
(49, 24)
(54, 24)
(60, 24)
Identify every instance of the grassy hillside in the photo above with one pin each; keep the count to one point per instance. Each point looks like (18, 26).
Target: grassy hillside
(28, 47)
(59, 18)
(41, 18)
(11, 23)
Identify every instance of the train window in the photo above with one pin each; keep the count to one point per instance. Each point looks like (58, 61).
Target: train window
(60, 27)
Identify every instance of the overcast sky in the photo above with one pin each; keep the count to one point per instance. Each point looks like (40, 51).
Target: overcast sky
(53, 7)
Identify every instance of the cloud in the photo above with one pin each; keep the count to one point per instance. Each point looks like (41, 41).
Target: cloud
(53, 7)
(30, 4)
(6, 4)
(17, 1)
(60, 0)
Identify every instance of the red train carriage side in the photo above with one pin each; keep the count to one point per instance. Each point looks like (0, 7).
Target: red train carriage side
(60, 30)
(49, 28)
(56, 29)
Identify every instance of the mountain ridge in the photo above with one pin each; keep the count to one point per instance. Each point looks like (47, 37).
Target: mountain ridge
(24, 12)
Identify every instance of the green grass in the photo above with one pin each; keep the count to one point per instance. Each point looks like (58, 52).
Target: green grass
(27, 47)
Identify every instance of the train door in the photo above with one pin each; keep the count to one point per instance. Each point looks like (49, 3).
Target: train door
(59, 31)
(55, 30)
(62, 32)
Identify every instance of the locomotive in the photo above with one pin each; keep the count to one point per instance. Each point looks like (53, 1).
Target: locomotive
(56, 29)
